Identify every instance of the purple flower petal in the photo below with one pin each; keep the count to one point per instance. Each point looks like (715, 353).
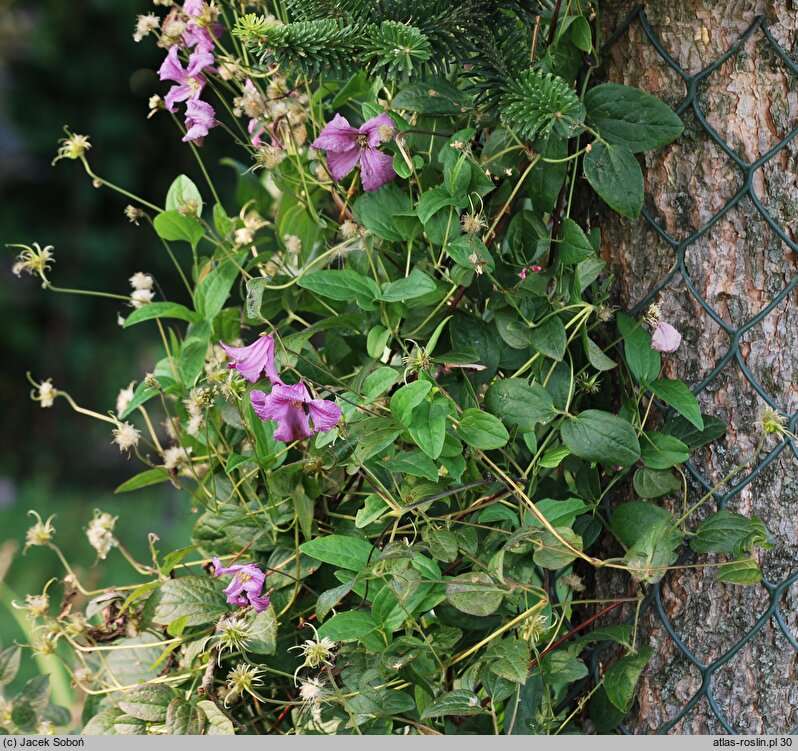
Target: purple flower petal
(286, 406)
(171, 69)
(371, 128)
(200, 118)
(325, 415)
(198, 61)
(246, 586)
(252, 360)
(193, 7)
(337, 135)
(259, 604)
(376, 169)
(341, 163)
(666, 338)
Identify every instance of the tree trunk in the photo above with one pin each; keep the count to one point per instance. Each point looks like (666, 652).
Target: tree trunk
(738, 267)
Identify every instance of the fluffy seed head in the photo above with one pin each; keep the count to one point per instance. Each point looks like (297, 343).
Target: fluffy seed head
(126, 436)
(100, 533)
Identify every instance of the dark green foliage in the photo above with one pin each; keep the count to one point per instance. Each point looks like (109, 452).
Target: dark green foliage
(402, 38)
(536, 103)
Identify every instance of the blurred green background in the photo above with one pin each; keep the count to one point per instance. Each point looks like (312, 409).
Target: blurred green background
(76, 63)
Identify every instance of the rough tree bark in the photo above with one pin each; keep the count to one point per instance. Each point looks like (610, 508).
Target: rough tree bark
(738, 266)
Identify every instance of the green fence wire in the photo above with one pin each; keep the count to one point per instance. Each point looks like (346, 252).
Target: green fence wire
(679, 274)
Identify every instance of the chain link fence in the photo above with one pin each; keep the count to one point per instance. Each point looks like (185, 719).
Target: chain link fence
(679, 276)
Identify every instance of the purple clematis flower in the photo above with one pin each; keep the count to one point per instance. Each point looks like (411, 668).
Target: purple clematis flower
(200, 118)
(666, 338)
(197, 35)
(347, 146)
(290, 407)
(246, 588)
(255, 359)
(189, 81)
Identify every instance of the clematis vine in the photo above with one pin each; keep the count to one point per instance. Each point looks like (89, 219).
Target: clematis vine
(200, 118)
(347, 146)
(254, 359)
(189, 81)
(197, 34)
(246, 587)
(292, 407)
(665, 338)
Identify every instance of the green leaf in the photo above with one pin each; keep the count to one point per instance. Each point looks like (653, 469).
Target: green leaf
(428, 427)
(143, 480)
(574, 245)
(653, 552)
(474, 593)
(550, 338)
(378, 382)
(463, 248)
(222, 222)
(340, 550)
(407, 398)
(343, 285)
(644, 362)
(199, 598)
(457, 702)
(631, 520)
(581, 36)
(9, 664)
(554, 554)
(218, 722)
(126, 725)
(184, 194)
(435, 96)
(373, 508)
(103, 722)
(660, 451)
(677, 395)
(133, 661)
(629, 117)
(415, 463)
(182, 718)
(745, 572)
(160, 310)
(372, 435)
(349, 625)
(685, 431)
(482, 430)
(653, 483)
(596, 356)
(376, 209)
(615, 175)
(432, 201)
(376, 340)
(442, 544)
(562, 667)
(601, 437)
(509, 658)
(263, 633)
(172, 226)
(417, 284)
(214, 289)
(329, 599)
(148, 702)
(728, 532)
(143, 394)
(559, 512)
(518, 403)
(621, 679)
(193, 352)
